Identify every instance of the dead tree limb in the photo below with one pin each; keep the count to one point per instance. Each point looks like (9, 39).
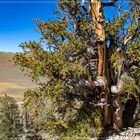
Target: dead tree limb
(129, 37)
(111, 3)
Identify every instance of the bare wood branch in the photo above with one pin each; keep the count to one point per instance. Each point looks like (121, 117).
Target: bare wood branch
(129, 37)
(98, 20)
(117, 116)
(97, 17)
(100, 82)
(112, 3)
(89, 85)
(83, 2)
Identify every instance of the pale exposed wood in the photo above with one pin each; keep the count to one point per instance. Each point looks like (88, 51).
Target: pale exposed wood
(97, 15)
(117, 90)
(117, 116)
(98, 23)
(129, 37)
(110, 3)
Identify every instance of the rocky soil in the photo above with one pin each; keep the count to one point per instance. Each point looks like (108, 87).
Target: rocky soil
(126, 134)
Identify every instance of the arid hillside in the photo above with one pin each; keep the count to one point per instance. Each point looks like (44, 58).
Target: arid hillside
(12, 80)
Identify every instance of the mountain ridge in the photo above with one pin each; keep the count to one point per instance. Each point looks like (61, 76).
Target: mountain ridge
(13, 82)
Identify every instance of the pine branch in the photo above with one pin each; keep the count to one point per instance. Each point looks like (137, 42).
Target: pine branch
(129, 37)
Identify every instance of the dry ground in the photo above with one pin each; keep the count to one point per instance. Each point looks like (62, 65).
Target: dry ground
(12, 80)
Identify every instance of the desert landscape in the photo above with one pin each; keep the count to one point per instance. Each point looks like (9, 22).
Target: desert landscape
(12, 81)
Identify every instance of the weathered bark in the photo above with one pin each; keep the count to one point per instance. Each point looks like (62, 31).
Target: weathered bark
(103, 72)
(121, 119)
(117, 91)
(98, 21)
(117, 116)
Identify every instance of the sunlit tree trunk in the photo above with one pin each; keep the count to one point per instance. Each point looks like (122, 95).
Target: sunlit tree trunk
(98, 21)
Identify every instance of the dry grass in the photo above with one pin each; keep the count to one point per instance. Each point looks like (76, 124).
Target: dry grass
(4, 85)
(14, 90)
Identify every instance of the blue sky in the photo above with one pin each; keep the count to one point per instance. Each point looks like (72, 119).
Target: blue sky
(16, 24)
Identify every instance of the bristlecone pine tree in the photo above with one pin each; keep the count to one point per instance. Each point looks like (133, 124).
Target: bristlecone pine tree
(87, 66)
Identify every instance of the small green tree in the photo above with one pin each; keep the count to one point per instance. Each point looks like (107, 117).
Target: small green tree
(10, 127)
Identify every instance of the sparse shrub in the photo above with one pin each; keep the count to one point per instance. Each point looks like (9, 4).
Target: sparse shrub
(10, 127)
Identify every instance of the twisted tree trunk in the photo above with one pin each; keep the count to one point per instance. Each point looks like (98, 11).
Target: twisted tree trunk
(98, 21)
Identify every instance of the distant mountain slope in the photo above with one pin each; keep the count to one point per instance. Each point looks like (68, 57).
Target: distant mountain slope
(9, 73)
(12, 80)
